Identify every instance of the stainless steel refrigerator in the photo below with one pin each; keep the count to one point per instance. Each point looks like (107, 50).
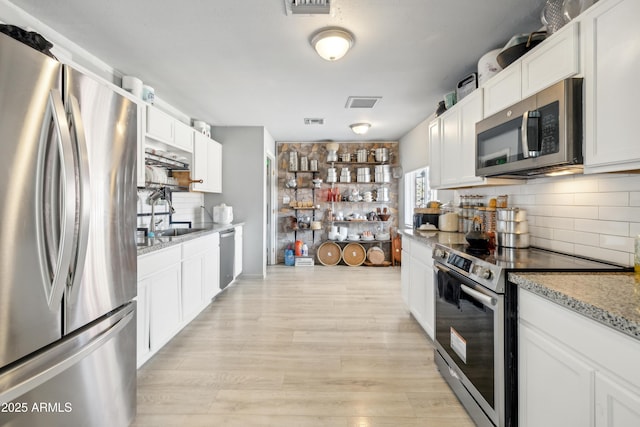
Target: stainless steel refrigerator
(67, 245)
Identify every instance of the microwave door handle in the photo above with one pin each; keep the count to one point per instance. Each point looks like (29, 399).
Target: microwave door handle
(525, 134)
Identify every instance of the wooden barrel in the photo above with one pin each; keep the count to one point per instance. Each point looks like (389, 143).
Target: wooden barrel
(354, 254)
(329, 253)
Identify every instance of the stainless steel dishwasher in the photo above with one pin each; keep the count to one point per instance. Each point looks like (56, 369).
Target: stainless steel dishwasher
(227, 254)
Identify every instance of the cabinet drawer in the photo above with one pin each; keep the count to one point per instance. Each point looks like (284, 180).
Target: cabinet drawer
(152, 263)
(197, 246)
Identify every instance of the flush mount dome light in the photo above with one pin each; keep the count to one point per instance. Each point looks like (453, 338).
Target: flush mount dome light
(360, 128)
(332, 43)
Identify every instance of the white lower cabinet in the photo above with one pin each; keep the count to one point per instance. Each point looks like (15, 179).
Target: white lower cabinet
(555, 387)
(404, 270)
(417, 284)
(211, 259)
(159, 311)
(174, 286)
(573, 371)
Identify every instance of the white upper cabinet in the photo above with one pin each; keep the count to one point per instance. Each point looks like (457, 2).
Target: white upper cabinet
(557, 59)
(434, 153)
(207, 164)
(459, 142)
(503, 90)
(159, 125)
(183, 136)
(611, 41)
(164, 128)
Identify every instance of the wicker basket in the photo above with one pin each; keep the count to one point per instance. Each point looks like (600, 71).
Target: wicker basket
(329, 253)
(354, 254)
(375, 255)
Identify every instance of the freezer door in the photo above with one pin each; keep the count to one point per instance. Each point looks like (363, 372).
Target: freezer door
(86, 379)
(35, 212)
(104, 129)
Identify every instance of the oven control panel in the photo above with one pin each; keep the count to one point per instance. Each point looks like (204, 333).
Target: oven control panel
(476, 269)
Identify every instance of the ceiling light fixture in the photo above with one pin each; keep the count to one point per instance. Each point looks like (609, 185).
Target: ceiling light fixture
(360, 128)
(332, 43)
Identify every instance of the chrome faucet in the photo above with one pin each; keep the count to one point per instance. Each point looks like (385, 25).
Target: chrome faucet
(160, 193)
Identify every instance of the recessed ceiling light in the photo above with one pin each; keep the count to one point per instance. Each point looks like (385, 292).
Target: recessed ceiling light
(332, 43)
(360, 128)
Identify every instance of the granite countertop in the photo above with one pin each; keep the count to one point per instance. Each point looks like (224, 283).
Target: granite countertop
(161, 242)
(431, 237)
(612, 299)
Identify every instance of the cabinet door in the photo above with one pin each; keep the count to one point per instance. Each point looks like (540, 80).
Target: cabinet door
(214, 166)
(183, 136)
(164, 306)
(610, 31)
(555, 386)
(429, 317)
(450, 146)
(192, 282)
(417, 290)
(554, 60)
(159, 125)
(616, 405)
(200, 168)
(434, 154)
(471, 108)
(503, 90)
(405, 267)
(142, 333)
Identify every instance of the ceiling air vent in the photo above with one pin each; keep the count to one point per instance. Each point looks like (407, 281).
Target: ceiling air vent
(362, 101)
(313, 121)
(308, 7)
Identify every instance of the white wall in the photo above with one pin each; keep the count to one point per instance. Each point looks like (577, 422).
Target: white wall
(595, 216)
(243, 188)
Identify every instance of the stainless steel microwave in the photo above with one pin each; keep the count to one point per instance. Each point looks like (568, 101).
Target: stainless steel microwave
(539, 135)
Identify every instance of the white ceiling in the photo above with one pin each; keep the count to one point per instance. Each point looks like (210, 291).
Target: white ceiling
(246, 62)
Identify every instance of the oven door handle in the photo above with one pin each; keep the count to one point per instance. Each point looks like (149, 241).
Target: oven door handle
(479, 296)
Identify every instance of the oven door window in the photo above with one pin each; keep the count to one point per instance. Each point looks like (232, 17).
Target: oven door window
(465, 329)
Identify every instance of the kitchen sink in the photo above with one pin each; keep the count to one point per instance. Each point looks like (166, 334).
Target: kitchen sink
(174, 232)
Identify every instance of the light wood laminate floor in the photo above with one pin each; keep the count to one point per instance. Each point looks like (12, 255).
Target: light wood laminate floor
(308, 346)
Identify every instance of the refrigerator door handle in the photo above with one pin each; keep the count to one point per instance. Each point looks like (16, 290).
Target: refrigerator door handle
(28, 375)
(83, 207)
(55, 257)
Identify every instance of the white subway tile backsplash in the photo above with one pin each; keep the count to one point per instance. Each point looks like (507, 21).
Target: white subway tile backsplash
(554, 199)
(590, 212)
(620, 213)
(589, 215)
(603, 227)
(613, 182)
(634, 198)
(616, 243)
(602, 199)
